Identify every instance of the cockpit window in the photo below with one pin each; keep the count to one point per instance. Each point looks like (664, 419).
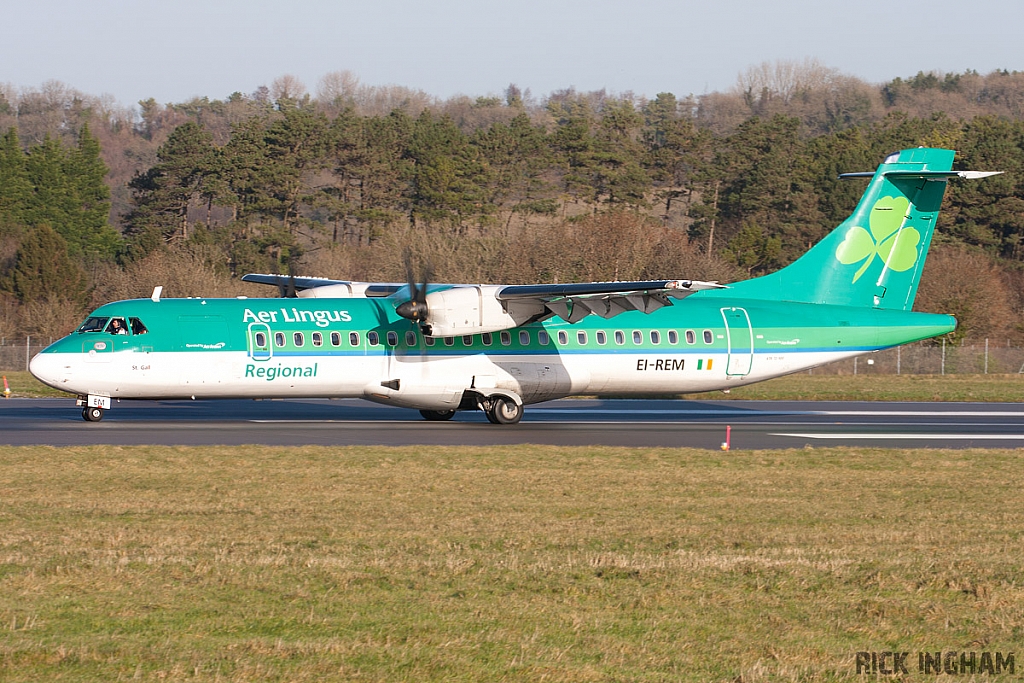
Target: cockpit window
(137, 326)
(117, 326)
(93, 324)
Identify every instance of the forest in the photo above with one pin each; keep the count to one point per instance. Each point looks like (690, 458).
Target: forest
(101, 202)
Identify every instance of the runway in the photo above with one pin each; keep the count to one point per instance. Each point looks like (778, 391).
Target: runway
(569, 422)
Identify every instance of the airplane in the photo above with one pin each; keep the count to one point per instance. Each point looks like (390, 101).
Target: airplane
(443, 348)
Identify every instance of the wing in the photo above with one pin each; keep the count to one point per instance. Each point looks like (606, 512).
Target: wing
(573, 302)
(322, 287)
(456, 309)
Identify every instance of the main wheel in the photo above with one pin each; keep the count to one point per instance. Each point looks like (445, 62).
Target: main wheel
(437, 415)
(91, 414)
(504, 411)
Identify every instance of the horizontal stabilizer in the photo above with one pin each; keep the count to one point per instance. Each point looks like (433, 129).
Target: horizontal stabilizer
(939, 175)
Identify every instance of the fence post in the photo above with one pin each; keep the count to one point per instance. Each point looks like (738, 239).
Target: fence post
(855, 365)
(28, 341)
(986, 355)
(898, 358)
(943, 372)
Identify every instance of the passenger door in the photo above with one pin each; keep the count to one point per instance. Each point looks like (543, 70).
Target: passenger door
(260, 347)
(739, 338)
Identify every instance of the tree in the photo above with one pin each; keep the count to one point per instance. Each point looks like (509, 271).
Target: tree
(187, 168)
(68, 191)
(675, 149)
(516, 154)
(15, 189)
(43, 270)
(449, 177)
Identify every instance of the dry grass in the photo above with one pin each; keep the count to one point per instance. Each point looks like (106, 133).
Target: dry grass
(524, 563)
(879, 387)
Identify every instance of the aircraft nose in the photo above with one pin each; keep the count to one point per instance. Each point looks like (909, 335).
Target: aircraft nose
(48, 368)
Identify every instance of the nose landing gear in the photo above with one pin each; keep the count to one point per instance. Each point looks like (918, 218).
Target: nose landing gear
(94, 406)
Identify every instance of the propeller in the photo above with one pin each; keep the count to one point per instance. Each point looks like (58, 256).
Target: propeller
(415, 309)
(286, 289)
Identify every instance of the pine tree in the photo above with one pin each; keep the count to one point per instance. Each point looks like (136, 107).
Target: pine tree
(86, 174)
(187, 166)
(43, 270)
(15, 188)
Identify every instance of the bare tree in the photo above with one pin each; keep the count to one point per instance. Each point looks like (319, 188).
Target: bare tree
(337, 89)
(287, 87)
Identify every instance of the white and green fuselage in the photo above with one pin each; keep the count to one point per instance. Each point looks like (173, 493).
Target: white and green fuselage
(851, 294)
(217, 348)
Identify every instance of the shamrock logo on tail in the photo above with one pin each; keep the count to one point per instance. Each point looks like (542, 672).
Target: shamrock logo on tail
(896, 247)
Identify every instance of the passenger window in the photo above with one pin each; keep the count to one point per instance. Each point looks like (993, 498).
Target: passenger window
(449, 341)
(581, 338)
(93, 325)
(317, 338)
(353, 338)
(279, 339)
(429, 340)
(373, 338)
(524, 338)
(563, 337)
(506, 337)
(467, 340)
(543, 338)
(708, 338)
(261, 340)
(486, 338)
(655, 337)
(335, 338)
(620, 338)
(638, 337)
(410, 338)
(602, 338)
(298, 339)
(392, 338)
(673, 337)
(137, 326)
(691, 338)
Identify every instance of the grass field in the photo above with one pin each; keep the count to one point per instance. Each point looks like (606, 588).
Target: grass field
(804, 387)
(513, 564)
(801, 387)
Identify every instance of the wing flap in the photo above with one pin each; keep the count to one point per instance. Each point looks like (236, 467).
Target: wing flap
(573, 302)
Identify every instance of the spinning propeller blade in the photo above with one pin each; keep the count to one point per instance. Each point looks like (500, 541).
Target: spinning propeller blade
(415, 309)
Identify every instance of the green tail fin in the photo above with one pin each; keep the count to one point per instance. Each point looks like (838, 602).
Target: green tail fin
(875, 257)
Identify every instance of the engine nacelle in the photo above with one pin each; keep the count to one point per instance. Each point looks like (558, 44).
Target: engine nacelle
(343, 290)
(474, 309)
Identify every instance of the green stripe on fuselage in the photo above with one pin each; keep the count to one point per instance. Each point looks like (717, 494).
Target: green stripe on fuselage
(222, 325)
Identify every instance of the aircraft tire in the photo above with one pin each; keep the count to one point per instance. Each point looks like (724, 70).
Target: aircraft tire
(437, 415)
(505, 411)
(90, 414)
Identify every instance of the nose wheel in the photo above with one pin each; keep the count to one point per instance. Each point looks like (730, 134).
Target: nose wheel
(92, 414)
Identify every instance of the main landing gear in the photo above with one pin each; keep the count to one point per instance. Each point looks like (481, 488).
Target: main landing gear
(437, 415)
(92, 414)
(502, 410)
(499, 409)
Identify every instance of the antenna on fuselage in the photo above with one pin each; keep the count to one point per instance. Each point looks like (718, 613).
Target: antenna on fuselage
(156, 293)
